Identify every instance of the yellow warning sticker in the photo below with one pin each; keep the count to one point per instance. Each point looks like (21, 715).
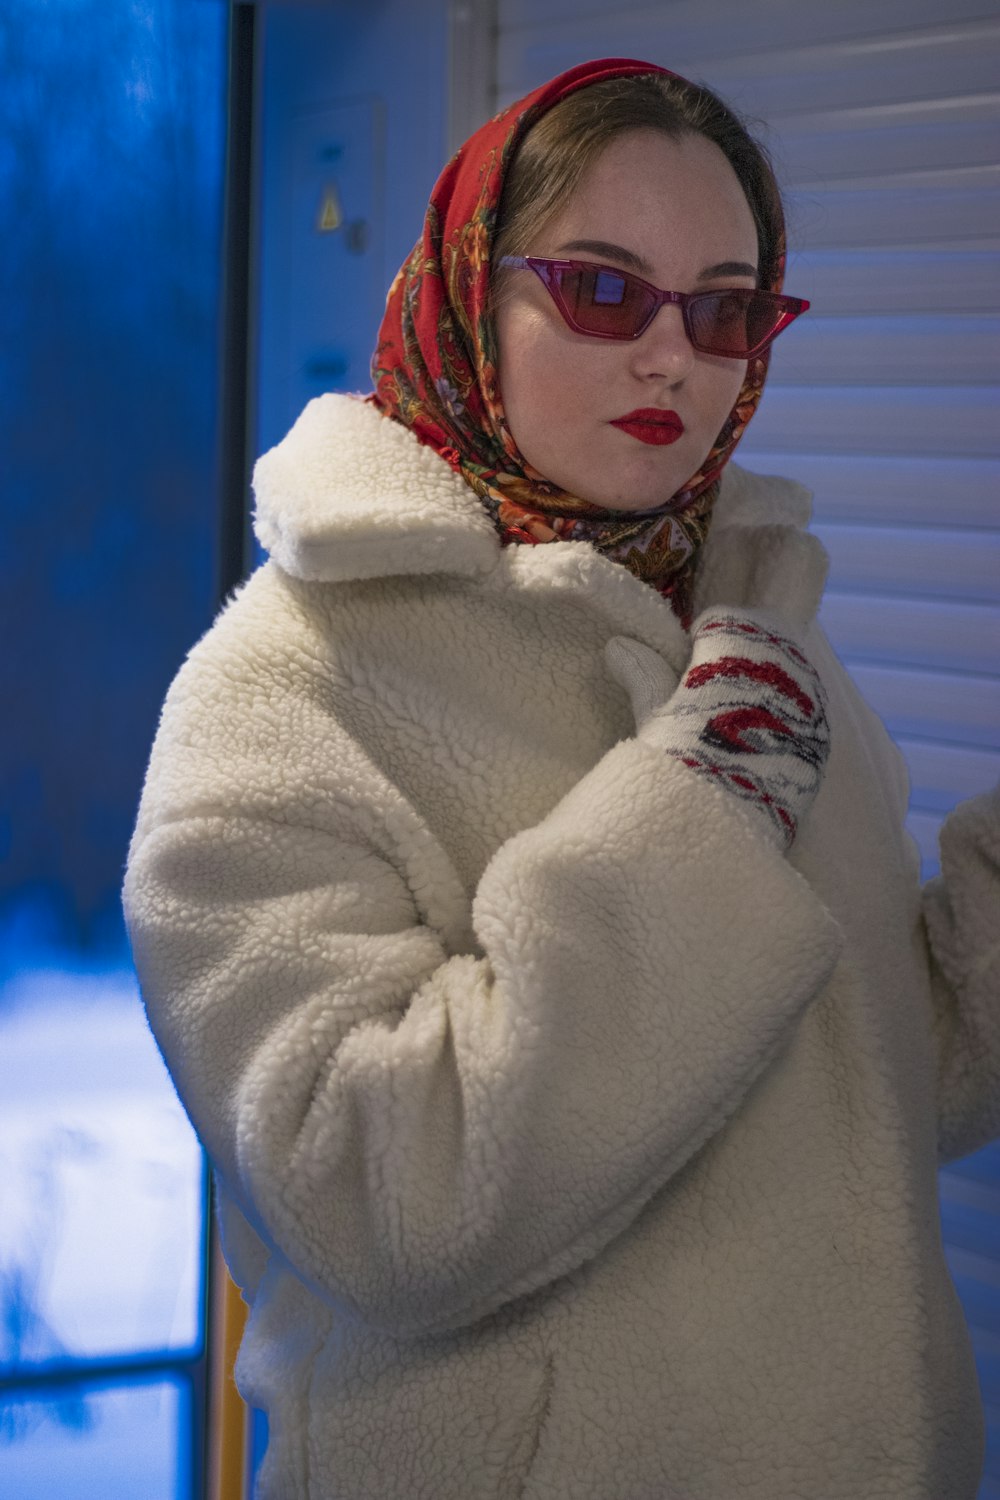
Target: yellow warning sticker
(330, 215)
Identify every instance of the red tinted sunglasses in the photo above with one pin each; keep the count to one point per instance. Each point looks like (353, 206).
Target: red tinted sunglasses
(606, 303)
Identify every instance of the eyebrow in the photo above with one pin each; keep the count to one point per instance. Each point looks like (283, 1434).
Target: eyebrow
(643, 268)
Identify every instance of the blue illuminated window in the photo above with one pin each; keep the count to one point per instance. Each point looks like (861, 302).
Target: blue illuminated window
(112, 126)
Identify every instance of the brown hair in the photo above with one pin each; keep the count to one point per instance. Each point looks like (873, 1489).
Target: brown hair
(568, 138)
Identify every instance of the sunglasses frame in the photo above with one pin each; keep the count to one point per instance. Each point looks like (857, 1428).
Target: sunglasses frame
(547, 272)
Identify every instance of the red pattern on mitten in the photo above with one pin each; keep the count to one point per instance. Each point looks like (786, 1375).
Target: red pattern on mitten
(749, 713)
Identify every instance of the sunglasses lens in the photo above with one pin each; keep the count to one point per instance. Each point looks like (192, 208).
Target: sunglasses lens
(734, 322)
(602, 302)
(613, 304)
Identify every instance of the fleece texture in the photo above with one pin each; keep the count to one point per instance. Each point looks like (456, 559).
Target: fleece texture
(573, 1141)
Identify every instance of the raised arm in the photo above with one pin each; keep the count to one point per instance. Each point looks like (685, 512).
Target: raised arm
(426, 1134)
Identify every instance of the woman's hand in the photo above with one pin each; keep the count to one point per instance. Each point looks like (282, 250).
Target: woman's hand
(749, 712)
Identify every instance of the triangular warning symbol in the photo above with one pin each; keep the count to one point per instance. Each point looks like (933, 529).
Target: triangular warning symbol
(330, 214)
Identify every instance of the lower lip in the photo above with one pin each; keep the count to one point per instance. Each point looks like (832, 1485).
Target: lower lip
(657, 433)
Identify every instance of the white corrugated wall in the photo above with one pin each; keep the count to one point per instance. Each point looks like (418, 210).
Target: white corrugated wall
(883, 122)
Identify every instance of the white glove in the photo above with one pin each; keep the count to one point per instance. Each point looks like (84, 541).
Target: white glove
(749, 712)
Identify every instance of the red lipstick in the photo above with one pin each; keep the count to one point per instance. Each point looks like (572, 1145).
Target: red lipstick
(651, 425)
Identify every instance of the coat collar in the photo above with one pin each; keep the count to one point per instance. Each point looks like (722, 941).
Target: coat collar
(350, 494)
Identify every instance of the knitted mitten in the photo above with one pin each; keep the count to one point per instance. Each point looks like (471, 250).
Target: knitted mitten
(748, 712)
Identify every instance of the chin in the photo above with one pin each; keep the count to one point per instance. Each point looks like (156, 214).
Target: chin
(644, 496)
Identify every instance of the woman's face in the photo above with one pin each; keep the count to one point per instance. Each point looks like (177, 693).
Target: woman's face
(672, 211)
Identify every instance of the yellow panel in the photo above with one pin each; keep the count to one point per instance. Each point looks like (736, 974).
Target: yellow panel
(228, 1418)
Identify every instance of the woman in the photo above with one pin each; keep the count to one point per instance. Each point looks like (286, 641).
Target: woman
(520, 895)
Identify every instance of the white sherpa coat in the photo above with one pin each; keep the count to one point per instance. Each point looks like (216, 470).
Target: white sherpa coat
(588, 1142)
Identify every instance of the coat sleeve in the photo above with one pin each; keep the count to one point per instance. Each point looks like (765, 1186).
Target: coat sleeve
(427, 1134)
(962, 921)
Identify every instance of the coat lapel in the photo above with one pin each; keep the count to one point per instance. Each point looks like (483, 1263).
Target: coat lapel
(757, 556)
(351, 494)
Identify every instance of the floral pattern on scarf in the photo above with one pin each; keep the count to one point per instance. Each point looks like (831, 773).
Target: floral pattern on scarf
(435, 368)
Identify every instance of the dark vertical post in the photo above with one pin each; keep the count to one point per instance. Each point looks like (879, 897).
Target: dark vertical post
(235, 427)
(233, 545)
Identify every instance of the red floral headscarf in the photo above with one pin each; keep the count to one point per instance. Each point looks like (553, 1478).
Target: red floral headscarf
(435, 367)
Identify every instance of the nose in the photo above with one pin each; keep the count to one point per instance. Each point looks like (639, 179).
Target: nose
(664, 351)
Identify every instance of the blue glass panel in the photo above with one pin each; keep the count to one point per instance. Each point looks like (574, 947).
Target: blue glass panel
(97, 1442)
(111, 153)
(112, 125)
(258, 1440)
(111, 165)
(101, 1233)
